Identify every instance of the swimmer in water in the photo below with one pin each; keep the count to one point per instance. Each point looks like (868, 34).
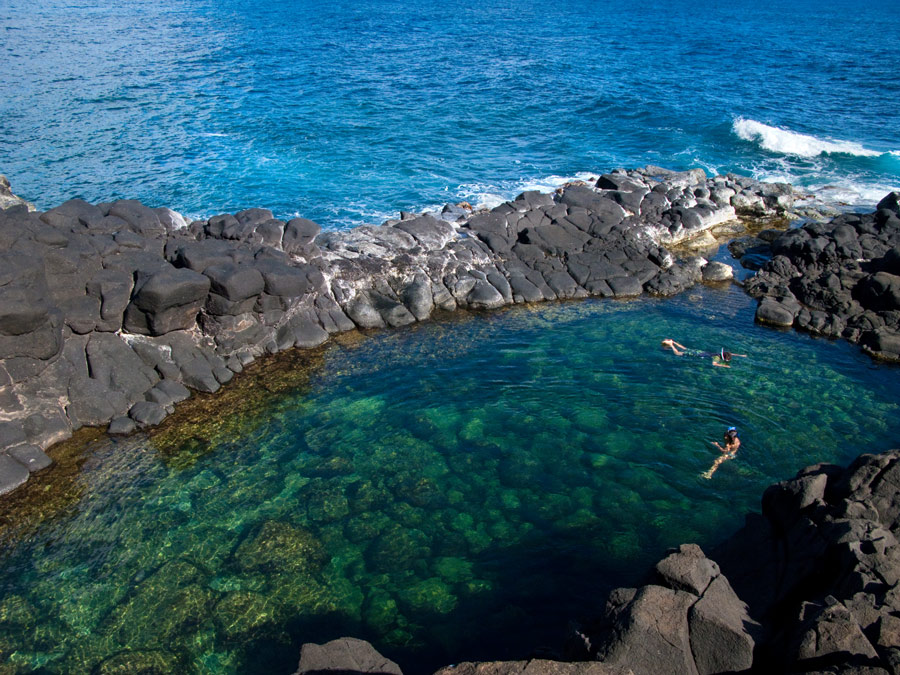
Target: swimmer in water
(723, 358)
(729, 451)
(669, 343)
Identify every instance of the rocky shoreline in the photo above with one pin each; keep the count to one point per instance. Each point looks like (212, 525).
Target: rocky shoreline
(837, 279)
(110, 314)
(809, 585)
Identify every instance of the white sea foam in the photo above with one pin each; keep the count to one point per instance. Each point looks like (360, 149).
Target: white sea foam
(486, 196)
(785, 141)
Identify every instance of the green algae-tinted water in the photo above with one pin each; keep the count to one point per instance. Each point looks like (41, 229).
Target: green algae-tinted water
(457, 490)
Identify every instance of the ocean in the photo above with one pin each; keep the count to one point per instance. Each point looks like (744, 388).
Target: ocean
(349, 112)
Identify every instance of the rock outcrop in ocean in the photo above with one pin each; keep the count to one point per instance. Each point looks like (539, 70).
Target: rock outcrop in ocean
(837, 279)
(112, 313)
(809, 585)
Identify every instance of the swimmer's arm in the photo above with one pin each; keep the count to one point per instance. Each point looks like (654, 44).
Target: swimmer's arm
(721, 365)
(678, 345)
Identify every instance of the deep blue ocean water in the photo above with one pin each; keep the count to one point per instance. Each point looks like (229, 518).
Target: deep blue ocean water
(348, 112)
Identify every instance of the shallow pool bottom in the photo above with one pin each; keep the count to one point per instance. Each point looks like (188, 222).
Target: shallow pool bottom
(453, 491)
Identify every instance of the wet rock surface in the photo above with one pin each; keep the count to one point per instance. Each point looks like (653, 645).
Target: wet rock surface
(106, 309)
(810, 585)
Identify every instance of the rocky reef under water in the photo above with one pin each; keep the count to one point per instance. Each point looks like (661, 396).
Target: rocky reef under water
(810, 585)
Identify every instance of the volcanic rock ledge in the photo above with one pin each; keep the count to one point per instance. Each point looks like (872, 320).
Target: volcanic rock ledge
(838, 279)
(111, 313)
(819, 571)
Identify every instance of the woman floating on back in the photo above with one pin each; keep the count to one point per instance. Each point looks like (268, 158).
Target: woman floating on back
(721, 359)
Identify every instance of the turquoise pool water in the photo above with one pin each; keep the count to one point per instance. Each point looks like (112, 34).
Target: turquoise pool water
(455, 490)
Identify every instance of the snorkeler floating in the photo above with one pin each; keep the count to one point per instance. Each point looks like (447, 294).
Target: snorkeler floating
(721, 358)
(729, 451)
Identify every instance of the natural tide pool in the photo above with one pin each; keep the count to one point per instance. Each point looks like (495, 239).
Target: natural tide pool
(457, 490)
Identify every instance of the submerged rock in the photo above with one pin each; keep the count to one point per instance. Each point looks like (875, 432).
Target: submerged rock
(281, 547)
(818, 570)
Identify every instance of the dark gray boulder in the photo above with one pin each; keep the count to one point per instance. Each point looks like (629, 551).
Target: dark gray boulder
(147, 413)
(687, 569)
(484, 296)
(882, 343)
(283, 280)
(235, 282)
(112, 287)
(418, 298)
(253, 216)
(75, 213)
(12, 433)
(718, 624)
(299, 234)
(121, 426)
(165, 301)
(141, 219)
(431, 233)
(201, 254)
(363, 312)
(891, 202)
(625, 287)
(31, 457)
(344, 656)
(880, 292)
(773, 312)
(650, 633)
(12, 473)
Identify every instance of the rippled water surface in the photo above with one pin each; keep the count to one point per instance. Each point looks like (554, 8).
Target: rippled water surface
(347, 112)
(456, 490)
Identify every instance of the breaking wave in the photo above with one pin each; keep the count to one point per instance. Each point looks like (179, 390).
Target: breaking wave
(785, 141)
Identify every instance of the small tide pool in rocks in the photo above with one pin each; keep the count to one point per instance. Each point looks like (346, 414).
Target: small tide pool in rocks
(457, 490)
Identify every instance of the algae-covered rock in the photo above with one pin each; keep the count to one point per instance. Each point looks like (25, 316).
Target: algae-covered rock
(281, 547)
(453, 570)
(325, 502)
(300, 596)
(380, 610)
(365, 527)
(175, 611)
(367, 495)
(244, 614)
(431, 595)
(16, 610)
(397, 548)
(141, 662)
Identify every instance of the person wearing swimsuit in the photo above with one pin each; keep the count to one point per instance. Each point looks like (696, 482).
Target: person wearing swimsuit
(732, 443)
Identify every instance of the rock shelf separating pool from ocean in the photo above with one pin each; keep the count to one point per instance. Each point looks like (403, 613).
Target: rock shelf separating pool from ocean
(112, 313)
(808, 585)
